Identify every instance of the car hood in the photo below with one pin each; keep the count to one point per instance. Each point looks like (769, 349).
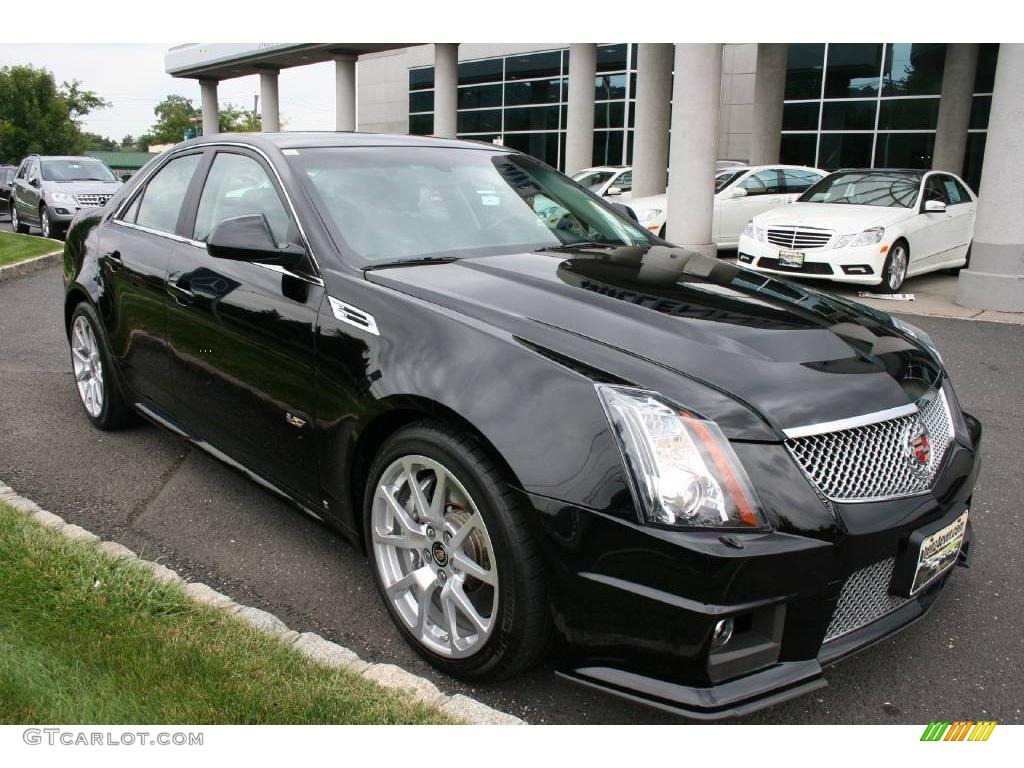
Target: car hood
(793, 355)
(838, 216)
(651, 201)
(84, 187)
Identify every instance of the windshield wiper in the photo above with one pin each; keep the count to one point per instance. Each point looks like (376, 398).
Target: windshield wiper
(413, 260)
(579, 246)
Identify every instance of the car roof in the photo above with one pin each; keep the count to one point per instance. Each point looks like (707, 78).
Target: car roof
(890, 171)
(310, 139)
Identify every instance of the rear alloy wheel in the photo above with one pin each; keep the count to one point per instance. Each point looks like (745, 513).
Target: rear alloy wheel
(94, 376)
(895, 270)
(452, 558)
(16, 224)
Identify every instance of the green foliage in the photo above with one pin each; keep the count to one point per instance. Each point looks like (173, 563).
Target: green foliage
(37, 116)
(174, 115)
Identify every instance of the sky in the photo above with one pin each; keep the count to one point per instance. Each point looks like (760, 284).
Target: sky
(133, 79)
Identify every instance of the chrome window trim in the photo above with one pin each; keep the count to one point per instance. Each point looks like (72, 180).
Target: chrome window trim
(850, 423)
(199, 147)
(200, 244)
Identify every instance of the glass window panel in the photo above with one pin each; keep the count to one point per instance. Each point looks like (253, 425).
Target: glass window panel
(798, 148)
(609, 114)
(973, 156)
(421, 125)
(762, 183)
(985, 74)
(848, 115)
(908, 114)
(609, 87)
(533, 65)
(543, 146)
(607, 147)
(474, 96)
(611, 57)
(165, 192)
(904, 150)
(421, 78)
(486, 71)
(421, 101)
(533, 92)
(480, 121)
(914, 69)
(796, 180)
(980, 107)
(800, 116)
(237, 185)
(632, 114)
(853, 70)
(844, 150)
(531, 118)
(804, 64)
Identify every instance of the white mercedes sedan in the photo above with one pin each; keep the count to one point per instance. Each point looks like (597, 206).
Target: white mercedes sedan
(868, 226)
(741, 192)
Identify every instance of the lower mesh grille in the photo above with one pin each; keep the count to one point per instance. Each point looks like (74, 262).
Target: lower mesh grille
(865, 598)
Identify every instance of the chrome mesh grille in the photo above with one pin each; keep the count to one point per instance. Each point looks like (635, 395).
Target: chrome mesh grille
(799, 237)
(864, 599)
(92, 201)
(871, 462)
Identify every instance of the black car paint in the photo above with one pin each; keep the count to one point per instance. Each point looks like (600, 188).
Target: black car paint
(511, 347)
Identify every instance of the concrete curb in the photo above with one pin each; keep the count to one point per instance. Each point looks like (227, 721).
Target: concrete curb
(310, 644)
(12, 271)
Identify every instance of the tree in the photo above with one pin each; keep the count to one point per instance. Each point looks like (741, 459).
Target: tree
(38, 117)
(175, 115)
(96, 142)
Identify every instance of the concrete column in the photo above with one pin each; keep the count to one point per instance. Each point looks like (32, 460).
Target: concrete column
(345, 92)
(208, 92)
(696, 92)
(955, 107)
(270, 114)
(769, 93)
(653, 114)
(579, 129)
(446, 89)
(995, 279)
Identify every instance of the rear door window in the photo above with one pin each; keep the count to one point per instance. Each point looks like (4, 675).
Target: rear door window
(165, 193)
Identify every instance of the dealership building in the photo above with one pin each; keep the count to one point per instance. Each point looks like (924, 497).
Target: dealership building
(670, 110)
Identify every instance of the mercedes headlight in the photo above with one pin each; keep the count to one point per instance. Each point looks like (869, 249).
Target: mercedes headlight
(918, 335)
(748, 231)
(867, 237)
(63, 197)
(683, 471)
(648, 214)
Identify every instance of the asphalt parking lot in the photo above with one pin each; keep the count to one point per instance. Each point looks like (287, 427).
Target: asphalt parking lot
(147, 489)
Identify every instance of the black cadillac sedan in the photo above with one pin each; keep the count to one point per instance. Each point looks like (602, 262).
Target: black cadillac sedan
(552, 432)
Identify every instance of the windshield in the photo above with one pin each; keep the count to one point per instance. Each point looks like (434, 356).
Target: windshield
(724, 178)
(892, 190)
(592, 180)
(391, 204)
(76, 170)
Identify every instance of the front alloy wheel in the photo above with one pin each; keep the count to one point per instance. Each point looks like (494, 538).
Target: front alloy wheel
(895, 268)
(452, 554)
(44, 222)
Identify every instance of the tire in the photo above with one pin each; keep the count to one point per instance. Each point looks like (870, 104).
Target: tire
(47, 228)
(510, 596)
(16, 224)
(893, 274)
(101, 395)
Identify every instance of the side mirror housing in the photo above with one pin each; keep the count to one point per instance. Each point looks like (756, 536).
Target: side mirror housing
(613, 191)
(34, 182)
(248, 238)
(737, 192)
(934, 206)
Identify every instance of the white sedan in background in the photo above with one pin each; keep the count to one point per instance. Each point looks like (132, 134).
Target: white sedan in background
(607, 180)
(868, 226)
(740, 194)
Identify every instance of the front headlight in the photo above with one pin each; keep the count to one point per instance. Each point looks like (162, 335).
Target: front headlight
(867, 237)
(63, 197)
(683, 471)
(748, 231)
(647, 214)
(916, 333)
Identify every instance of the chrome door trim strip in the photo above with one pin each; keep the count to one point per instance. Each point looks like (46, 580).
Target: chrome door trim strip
(850, 423)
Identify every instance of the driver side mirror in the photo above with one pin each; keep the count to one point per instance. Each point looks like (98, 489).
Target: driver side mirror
(34, 182)
(934, 206)
(248, 238)
(737, 192)
(613, 191)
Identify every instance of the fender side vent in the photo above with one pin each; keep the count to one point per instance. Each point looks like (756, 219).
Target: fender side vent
(346, 313)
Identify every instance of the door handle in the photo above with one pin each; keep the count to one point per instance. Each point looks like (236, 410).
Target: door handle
(114, 260)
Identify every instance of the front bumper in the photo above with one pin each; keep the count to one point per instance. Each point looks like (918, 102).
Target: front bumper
(863, 265)
(636, 607)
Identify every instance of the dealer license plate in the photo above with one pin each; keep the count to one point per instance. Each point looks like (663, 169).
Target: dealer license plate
(938, 553)
(788, 258)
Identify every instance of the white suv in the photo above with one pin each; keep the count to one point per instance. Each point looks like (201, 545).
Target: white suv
(869, 226)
